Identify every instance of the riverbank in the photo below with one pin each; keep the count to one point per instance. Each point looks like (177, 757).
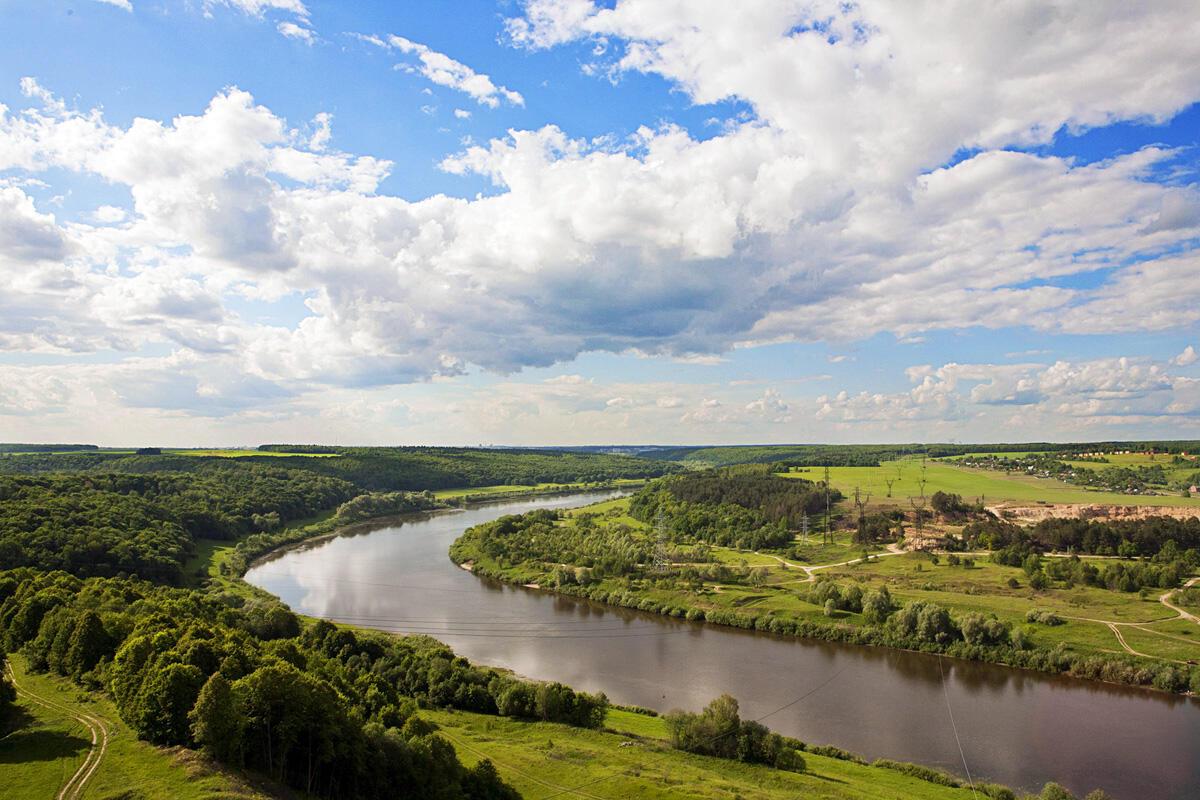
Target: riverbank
(400, 580)
(977, 610)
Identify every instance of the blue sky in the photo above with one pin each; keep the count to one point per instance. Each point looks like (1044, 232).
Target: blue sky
(553, 221)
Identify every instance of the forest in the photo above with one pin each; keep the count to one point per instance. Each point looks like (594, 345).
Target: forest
(93, 547)
(323, 709)
(375, 469)
(745, 507)
(146, 523)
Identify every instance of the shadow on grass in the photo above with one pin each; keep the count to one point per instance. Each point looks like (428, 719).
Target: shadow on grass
(40, 744)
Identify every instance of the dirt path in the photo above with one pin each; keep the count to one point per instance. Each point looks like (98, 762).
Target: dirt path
(73, 788)
(1165, 599)
(894, 549)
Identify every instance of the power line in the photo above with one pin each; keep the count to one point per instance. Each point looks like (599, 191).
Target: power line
(954, 727)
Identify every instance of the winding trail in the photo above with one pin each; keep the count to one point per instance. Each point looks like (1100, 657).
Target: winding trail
(893, 549)
(73, 788)
(1165, 599)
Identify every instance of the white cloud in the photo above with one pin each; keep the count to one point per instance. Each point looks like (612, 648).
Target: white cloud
(443, 70)
(293, 31)
(125, 5)
(259, 7)
(827, 213)
(462, 113)
(109, 214)
(1186, 358)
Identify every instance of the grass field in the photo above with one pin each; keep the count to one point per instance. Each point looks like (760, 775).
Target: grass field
(632, 761)
(48, 748)
(993, 487)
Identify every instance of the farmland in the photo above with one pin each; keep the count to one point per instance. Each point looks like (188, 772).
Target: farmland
(990, 486)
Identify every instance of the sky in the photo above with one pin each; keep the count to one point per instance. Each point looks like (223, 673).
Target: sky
(228, 222)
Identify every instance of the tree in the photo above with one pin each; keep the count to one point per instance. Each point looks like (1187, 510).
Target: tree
(1053, 791)
(877, 605)
(8, 695)
(217, 721)
(89, 643)
(166, 697)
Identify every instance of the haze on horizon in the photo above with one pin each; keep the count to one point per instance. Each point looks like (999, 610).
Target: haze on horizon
(566, 222)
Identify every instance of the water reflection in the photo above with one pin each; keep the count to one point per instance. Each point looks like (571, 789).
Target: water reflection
(1019, 728)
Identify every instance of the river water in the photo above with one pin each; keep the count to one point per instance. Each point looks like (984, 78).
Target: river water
(1016, 727)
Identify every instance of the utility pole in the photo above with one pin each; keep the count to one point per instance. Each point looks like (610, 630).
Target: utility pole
(804, 527)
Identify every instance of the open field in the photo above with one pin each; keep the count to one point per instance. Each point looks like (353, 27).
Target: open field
(39, 758)
(633, 761)
(993, 487)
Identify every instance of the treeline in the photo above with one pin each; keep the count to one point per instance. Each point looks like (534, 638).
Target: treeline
(869, 455)
(10, 447)
(377, 469)
(1128, 538)
(324, 709)
(107, 524)
(743, 507)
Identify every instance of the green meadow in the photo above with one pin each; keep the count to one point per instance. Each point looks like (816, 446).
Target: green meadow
(632, 759)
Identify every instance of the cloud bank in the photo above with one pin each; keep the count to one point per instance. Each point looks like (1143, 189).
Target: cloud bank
(884, 182)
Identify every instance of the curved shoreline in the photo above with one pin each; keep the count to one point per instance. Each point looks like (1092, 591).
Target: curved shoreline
(837, 634)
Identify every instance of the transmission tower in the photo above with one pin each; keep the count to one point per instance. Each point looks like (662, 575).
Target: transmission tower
(661, 562)
(827, 533)
(804, 527)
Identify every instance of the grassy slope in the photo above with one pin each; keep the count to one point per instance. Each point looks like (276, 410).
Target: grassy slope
(971, 483)
(44, 753)
(542, 759)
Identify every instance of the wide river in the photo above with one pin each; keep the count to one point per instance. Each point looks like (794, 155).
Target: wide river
(1018, 728)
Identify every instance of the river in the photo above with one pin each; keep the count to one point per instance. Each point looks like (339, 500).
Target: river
(1016, 727)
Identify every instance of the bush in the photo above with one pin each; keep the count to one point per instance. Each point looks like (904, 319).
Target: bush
(919, 772)
(1043, 617)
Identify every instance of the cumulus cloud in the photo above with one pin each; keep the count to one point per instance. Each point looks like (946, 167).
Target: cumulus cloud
(125, 5)
(1186, 358)
(872, 189)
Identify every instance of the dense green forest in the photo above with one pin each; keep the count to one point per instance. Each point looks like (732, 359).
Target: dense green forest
(11, 447)
(321, 708)
(375, 468)
(92, 552)
(146, 524)
(744, 507)
(107, 514)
